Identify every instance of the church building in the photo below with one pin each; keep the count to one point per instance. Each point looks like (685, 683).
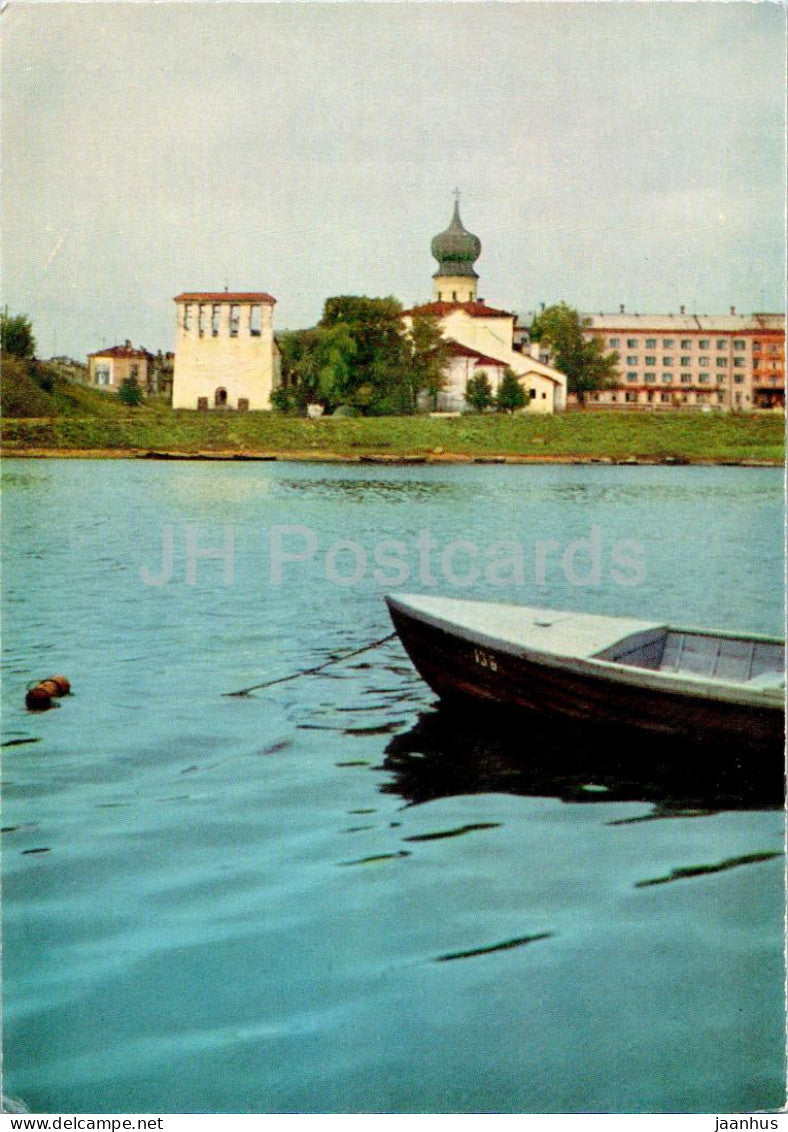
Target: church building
(481, 338)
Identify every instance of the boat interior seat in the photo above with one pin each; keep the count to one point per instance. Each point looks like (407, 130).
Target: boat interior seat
(703, 654)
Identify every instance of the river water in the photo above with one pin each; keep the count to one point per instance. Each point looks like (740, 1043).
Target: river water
(329, 896)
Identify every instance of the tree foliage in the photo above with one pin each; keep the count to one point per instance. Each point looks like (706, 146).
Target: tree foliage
(586, 365)
(478, 392)
(16, 336)
(511, 395)
(429, 353)
(130, 392)
(359, 355)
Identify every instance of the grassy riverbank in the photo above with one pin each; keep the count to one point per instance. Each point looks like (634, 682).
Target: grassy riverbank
(672, 437)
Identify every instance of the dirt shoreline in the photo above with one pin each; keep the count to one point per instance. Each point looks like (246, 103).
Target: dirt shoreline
(372, 458)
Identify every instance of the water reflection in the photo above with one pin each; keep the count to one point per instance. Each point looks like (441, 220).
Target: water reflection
(447, 754)
(361, 490)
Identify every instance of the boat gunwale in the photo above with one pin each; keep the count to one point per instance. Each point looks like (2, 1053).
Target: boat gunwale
(689, 685)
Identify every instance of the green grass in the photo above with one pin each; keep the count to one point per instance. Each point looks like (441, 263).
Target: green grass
(23, 397)
(75, 418)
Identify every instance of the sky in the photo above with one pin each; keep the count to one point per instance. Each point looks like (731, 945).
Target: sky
(606, 153)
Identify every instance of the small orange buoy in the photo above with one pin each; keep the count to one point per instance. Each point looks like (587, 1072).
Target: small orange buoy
(39, 697)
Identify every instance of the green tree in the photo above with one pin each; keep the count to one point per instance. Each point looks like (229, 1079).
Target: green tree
(130, 393)
(478, 392)
(316, 367)
(16, 335)
(586, 365)
(429, 353)
(511, 395)
(376, 379)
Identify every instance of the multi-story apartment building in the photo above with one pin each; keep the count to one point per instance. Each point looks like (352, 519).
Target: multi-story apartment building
(731, 361)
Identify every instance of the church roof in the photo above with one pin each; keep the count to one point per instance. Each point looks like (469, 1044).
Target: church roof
(225, 297)
(456, 249)
(458, 350)
(474, 309)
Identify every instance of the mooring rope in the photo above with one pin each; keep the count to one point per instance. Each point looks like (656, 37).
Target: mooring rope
(312, 671)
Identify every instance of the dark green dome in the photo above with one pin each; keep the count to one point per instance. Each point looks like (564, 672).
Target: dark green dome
(456, 250)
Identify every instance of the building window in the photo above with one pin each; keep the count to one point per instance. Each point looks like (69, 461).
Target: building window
(686, 379)
(721, 362)
(102, 373)
(632, 343)
(632, 359)
(255, 320)
(651, 360)
(220, 398)
(668, 343)
(650, 378)
(630, 395)
(667, 361)
(720, 398)
(632, 377)
(614, 397)
(721, 377)
(740, 344)
(684, 398)
(703, 378)
(667, 377)
(756, 345)
(686, 361)
(703, 361)
(686, 343)
(134, 371)
(738, 362)
(738, 379)
(202, 319)
(235, 317)
(614, 343)
(215, 320)
(664, 398)
(721, 344)
(187, 315)
(704, 343)
(651, 343)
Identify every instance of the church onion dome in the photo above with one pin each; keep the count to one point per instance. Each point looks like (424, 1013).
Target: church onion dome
(456, 249)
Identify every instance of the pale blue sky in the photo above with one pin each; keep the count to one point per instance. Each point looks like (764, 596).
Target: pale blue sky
(606, 153)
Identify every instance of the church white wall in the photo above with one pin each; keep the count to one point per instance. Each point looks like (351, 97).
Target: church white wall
(454, 288)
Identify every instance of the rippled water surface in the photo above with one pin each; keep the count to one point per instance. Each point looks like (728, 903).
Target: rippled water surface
(331, 896)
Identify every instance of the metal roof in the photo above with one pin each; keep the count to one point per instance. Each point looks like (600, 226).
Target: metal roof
(689, 323)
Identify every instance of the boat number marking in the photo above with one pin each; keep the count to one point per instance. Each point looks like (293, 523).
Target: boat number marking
(485, 660)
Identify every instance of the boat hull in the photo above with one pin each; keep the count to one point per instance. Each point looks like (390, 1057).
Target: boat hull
(458, 668)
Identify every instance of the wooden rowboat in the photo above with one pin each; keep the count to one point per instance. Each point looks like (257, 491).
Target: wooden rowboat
(724, 688)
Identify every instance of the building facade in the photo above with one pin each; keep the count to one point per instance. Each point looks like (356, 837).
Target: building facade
(226, 356)
(481, 338)
(108, 369)
(729, 362)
